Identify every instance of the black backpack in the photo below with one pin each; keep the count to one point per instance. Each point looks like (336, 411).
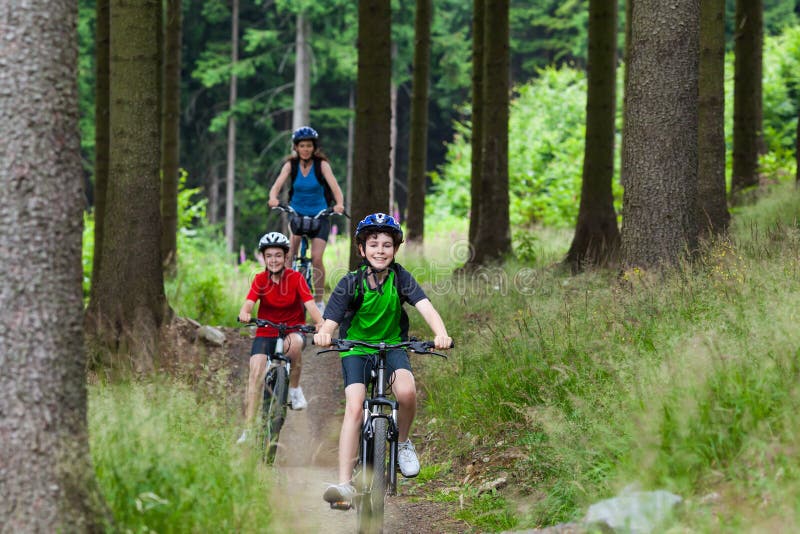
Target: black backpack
(329, 198)
(357, 290)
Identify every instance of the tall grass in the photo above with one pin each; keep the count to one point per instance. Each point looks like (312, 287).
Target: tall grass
(166, 461)
(685, 381)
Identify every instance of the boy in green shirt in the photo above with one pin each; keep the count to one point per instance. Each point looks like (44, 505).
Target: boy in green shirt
(379, 287)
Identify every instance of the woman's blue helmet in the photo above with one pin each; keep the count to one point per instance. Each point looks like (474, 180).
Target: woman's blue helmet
(303, 133)
(380, 222)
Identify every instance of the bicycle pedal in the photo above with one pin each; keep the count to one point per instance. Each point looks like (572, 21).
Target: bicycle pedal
(341, 505)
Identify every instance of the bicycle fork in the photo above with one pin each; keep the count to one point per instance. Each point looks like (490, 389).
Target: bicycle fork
(372, 411)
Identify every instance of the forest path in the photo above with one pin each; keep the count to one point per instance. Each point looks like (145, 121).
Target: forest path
(307, 463)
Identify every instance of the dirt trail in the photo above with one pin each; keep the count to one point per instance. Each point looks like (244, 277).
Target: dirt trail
(307, 462)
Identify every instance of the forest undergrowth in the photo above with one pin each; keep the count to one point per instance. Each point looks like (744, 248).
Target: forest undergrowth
(570, 387)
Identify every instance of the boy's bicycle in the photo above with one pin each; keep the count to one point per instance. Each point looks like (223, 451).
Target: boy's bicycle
(276, 387)
(304, 225)
(375, 473)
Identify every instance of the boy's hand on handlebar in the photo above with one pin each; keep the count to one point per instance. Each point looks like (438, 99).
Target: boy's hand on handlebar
(339, 208)
(273, 202)
(321, 339)
(244, 317)
(443, 342)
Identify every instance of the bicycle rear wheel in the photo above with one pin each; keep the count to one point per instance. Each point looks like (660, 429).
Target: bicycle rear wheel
(370, 511)
(276, 390)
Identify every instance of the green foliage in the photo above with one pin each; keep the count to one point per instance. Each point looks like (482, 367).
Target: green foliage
(545, 153)
(489, 511)
(684, 381)
(87, 253)
(166, 461)
(546, 140)
(206, 288)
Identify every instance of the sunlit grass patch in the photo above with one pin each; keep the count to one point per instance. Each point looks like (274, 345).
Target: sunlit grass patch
(166, 461)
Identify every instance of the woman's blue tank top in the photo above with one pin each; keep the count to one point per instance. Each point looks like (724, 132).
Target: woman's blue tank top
(309, 196)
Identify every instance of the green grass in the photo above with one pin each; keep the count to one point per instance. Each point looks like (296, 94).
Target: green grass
(684, 381)
(166, 461)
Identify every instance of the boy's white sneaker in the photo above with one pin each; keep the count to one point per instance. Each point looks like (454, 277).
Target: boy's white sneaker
(243, 437)
(407, 459)
(339, 493)
(297, 399)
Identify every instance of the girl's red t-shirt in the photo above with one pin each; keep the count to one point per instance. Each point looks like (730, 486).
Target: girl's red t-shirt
(281, 302)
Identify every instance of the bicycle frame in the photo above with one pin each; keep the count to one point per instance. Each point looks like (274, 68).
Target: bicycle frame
(374, 405)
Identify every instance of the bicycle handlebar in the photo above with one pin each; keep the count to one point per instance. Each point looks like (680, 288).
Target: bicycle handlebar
(413, 345)
(323, 213)
(282, 327)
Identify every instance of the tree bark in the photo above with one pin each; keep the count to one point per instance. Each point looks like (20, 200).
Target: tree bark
(747, 95)
(597, 239)
(101, 128)
(493, 239)
(713, 216)
(230, 169)
(170, 155)
(418, 142)
(301, 112)
(373, 113)
(46, 472)
(478, 23)
(660, 201)
(128, 306)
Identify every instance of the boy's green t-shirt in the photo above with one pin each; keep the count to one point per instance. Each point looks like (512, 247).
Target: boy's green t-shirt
(378, 318)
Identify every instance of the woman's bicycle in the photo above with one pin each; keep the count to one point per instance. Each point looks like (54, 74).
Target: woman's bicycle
(304, 225)
(276, 387)
(375, 473)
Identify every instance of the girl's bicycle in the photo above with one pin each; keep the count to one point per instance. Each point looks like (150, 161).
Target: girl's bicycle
(375, 473)
(276, 387)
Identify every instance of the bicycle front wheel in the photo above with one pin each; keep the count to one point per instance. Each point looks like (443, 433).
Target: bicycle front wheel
(370, 513)
(276, 390)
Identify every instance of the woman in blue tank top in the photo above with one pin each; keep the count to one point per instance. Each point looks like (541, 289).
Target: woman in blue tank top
(307, 196)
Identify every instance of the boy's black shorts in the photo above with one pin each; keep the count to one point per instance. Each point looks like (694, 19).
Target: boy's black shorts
(356, 369)
(266, 345)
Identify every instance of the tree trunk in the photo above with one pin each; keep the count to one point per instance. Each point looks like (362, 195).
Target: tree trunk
(213, 195)
(713, 216)
(170, 156)
(230, 177)
(392, 140)
(46, 472)
(596, 240)
(373, 113)
(478, 23)
(627, 55)
(418, 142)
(100, 128)
(301, 111)
(350, 144)
(129, 306)
(660, 202)
(493, 239)
(747, 99)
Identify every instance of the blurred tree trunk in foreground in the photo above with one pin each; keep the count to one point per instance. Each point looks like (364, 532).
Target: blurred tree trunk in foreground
(46, 473)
